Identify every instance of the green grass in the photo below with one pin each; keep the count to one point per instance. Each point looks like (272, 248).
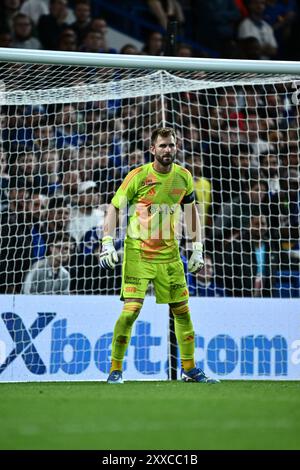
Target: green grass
(150, 415)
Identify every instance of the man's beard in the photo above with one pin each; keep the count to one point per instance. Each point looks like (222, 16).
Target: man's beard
(163, 162)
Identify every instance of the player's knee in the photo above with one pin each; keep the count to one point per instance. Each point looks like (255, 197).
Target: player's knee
(180, 309)
(130, 312)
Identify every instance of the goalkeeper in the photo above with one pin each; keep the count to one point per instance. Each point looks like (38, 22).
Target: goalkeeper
(154, 193)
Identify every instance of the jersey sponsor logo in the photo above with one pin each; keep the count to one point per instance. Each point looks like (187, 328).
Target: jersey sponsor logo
(132, 280)
(184, 293)
(130, 289)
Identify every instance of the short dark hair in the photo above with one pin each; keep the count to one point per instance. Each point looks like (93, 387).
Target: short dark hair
(82, 2)
(162, 132)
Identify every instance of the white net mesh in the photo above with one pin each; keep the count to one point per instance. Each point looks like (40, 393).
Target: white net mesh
(69, 136)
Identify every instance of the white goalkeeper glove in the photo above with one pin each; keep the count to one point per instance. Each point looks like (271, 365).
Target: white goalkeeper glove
(108, 256)
(196, 261)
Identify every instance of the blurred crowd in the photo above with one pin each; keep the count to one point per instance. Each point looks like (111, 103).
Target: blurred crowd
(249, 29)
(60, 165)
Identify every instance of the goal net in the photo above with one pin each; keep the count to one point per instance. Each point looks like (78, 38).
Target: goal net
(70, 134)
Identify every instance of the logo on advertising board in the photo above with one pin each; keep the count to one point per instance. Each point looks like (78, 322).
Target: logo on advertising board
(73, 352)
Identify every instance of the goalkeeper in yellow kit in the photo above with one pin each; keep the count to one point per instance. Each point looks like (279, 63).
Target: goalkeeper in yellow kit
(154, 193)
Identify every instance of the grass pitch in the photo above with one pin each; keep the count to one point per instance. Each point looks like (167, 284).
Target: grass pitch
(150, 415)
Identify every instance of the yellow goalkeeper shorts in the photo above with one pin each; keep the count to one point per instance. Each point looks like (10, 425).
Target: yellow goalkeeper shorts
(168, 280)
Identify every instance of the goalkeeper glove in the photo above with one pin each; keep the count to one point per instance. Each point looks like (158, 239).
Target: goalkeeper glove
(108, 256)
(196, 261)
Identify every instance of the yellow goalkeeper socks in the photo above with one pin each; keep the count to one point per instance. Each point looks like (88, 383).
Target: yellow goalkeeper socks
(116, 365)
(185, 335)
(188, 364)
(122, 333)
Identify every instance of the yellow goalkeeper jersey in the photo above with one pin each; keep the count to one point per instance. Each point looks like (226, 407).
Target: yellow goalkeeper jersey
(154, 201)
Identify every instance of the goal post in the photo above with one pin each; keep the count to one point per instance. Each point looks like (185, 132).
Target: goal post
(74, 124)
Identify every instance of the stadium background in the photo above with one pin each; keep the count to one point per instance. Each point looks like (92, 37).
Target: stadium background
(233, 140)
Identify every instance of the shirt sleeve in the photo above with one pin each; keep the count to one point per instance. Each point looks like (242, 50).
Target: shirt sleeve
(272, 39)
(127, 190)
(245, 30)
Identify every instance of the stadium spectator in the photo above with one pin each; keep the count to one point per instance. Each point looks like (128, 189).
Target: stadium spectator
(22, 33)
(82, 24)
(202, 284)
(154, 44)
(184, 50)
(57, 216)
(165, 11)
(67, 40)
(24, 166)
(249, 48)
(43, 137)
(49, 169)
(129, 49)
(134, 158)
(252, 135)
(35, 215)
(281, 16)
(232, 222)
(85, 227)
(6, 38)
(234, 216)
(87, 164)
(15, 239)
(255, 26)
(270, 172)
(48, 276)
(86, 215)
(67, 128)
(70, 183)
(105, 176)
(290, 157)
(8, 10)
(92, 41)
(239, 170)
(50, 26)
(248, 263)
(100, 26)
(4, 181)
(34, 9)
(285, 218)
